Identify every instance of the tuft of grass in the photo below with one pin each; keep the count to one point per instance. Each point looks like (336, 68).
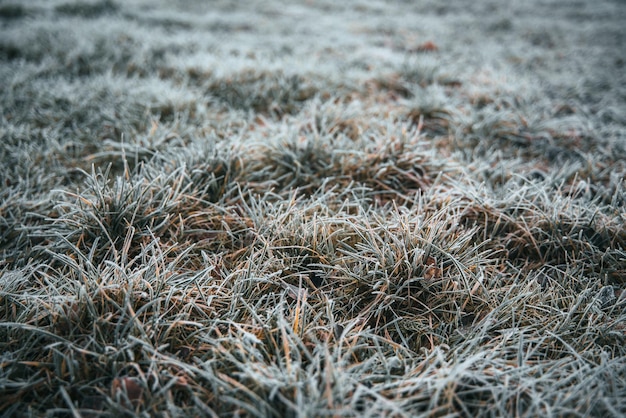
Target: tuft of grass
(274, 93)
(87, 10)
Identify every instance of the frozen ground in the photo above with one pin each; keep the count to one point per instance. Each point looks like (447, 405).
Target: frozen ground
(312, 208)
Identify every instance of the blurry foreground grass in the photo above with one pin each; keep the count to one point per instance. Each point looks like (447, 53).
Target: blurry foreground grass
(215, 212)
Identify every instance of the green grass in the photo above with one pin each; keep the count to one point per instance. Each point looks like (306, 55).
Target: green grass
(312, 209)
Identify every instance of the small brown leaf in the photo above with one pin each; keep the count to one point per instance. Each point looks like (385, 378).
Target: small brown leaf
(130, 386)
(428, 46)
(432, 271)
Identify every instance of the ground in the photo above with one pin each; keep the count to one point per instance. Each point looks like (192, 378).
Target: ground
(312, 208)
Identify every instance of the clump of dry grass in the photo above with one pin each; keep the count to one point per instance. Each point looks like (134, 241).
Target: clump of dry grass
(205, 226)
(273, 93)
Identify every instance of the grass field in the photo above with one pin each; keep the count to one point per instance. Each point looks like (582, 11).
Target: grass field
(312, 208)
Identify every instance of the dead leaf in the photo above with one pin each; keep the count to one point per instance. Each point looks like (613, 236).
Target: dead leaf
(428, 46)
(432, 271)
(130, 386)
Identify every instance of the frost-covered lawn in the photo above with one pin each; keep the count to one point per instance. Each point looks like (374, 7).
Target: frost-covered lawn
(312, 208)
